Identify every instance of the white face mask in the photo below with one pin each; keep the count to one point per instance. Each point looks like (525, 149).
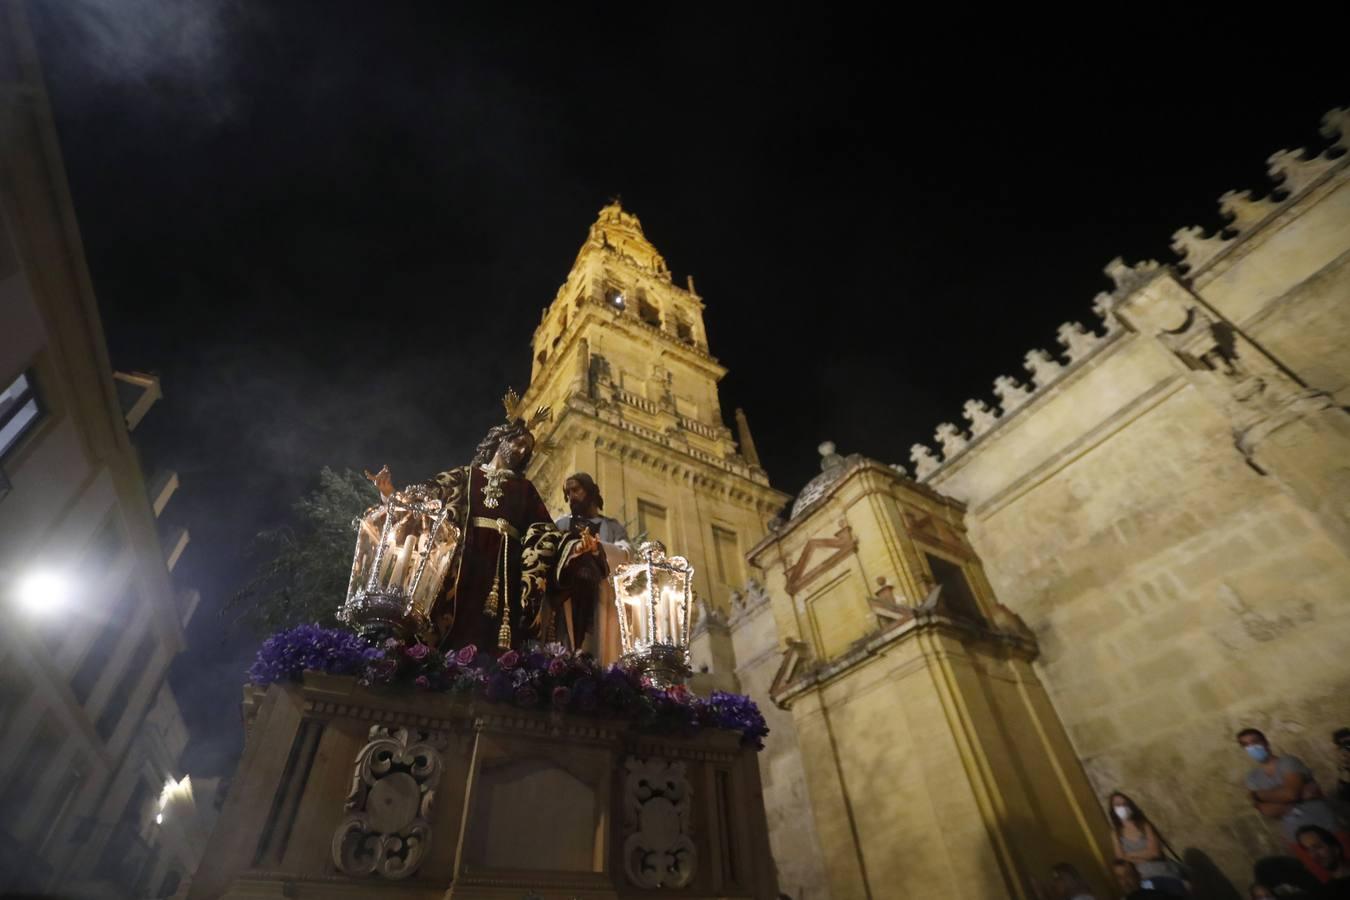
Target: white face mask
(1123, 813)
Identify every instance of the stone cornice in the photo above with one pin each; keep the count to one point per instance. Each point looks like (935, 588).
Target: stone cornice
(580, 420)
(871, 646)
(325, 696)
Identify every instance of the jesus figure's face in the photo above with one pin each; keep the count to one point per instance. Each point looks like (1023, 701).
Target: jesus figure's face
(514, 452)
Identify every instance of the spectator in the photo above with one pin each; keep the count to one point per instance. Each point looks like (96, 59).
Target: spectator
(1342, 741)
(1067, 884)
(1131, 887)
(1284, 876)
(1327, 852)
(1138, 841)
(1282, 788)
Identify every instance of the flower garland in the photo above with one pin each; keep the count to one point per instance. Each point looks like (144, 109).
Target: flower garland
(550, 677)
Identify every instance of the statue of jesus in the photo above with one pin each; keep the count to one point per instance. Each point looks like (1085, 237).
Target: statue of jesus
(503, 584)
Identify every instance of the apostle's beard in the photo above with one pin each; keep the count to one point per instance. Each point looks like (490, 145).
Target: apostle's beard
(580, 507)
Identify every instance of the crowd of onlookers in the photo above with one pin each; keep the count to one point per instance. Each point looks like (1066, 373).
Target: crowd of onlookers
(1281, 788)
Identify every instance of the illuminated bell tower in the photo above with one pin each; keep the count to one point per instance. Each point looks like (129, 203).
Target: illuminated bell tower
(622, 357)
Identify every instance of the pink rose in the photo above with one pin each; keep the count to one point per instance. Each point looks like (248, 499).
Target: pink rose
(418, 651)
(509, 659)
(679, 693)
(466, 655)
(422, 682)
(557, 666)
(561, 697)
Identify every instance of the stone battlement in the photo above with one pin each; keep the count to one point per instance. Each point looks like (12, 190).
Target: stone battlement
(1294, 174)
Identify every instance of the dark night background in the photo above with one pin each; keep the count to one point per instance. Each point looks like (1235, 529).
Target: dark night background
(330, 227)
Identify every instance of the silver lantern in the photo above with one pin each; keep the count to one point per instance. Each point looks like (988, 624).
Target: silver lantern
(404, 547)
(654, 600)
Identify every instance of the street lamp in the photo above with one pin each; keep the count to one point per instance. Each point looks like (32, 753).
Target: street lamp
(403, 548)
(653, 598)
(43, 591)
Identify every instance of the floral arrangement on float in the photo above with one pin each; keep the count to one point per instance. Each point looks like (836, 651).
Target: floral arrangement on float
(549, 677)
(404, 547)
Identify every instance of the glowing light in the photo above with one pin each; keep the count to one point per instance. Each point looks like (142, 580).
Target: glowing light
(43, 591)
(174, 792)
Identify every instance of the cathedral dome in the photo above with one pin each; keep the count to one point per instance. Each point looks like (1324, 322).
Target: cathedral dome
(832, 468)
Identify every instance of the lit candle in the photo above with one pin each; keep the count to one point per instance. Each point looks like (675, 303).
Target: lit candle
(396, 577)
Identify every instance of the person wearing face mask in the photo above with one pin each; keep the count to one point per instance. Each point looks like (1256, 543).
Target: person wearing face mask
(1282, 788)
(1139, 843)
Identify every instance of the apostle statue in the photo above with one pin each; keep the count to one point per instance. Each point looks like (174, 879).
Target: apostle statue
(513, 566)
(592, 620)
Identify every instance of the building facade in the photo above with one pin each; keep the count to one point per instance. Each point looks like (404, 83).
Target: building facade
(1167, 505)
(90, 732)
(1089, 586)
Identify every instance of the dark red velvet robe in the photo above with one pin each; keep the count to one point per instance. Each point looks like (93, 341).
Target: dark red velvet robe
(542, 564)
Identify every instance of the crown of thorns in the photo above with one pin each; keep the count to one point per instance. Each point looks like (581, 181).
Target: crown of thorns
(512, 400)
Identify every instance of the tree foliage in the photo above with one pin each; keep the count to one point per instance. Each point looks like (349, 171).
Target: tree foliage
(301, 569)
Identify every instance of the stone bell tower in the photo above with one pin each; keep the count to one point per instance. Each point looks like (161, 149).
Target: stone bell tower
(622, 356)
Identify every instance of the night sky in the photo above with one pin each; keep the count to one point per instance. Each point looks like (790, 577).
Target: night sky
(331, 227)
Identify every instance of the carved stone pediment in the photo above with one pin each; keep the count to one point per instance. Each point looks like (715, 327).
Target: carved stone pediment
(820, 555)
(930, 529)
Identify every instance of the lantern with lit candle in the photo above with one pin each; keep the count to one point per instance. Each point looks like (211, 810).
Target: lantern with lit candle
(403, 549)
(654, 596)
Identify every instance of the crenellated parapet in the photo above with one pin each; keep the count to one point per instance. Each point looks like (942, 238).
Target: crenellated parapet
(1044, 368)
(1293, 173)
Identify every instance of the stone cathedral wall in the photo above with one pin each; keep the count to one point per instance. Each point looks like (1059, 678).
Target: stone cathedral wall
(1177, 591)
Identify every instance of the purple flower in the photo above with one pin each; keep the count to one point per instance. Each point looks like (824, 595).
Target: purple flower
(392, 643)
(734, 712)
(286, 654)
(468, 680)
(561, 679)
